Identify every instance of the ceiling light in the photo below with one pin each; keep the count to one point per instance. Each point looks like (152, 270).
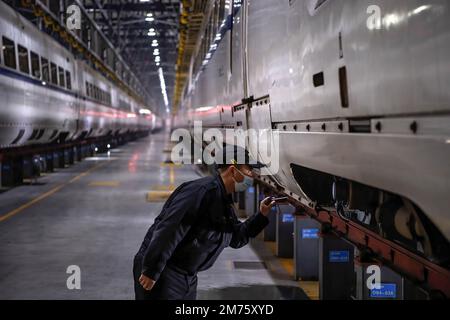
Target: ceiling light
(150, 19)
(149, 14)
(163, 86)
(204, 109)
(145, 111)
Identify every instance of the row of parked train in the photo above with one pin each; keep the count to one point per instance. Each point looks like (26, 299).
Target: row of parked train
(46, 93)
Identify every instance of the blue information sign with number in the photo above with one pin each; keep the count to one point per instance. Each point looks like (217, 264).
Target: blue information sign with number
(287, 217)
(387, 291)
(310, 233)
(339, 256)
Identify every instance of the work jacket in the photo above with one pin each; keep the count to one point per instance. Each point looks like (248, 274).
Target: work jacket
(196, 223)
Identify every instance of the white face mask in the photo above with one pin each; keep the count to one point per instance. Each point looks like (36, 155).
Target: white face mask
(244, 185)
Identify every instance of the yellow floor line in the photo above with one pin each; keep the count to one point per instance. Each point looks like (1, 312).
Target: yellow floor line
(81, 175)
(311, 288)
(112, 184)
(29, 204)
(161, 193)
(46, 195)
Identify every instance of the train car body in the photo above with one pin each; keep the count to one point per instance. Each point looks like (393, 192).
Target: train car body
(47, 94)
(358, 103)
(34, 108)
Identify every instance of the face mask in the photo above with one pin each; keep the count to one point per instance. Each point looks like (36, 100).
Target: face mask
(244, 185)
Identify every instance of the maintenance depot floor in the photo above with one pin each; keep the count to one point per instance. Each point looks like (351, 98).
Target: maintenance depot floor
(94, 215)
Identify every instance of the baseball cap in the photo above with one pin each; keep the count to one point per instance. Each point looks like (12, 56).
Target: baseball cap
(231, 154)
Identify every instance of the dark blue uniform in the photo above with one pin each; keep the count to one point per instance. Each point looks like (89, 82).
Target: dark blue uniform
(196, 223)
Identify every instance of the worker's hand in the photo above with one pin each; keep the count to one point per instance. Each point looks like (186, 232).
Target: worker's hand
(146, 282)
(266, 205)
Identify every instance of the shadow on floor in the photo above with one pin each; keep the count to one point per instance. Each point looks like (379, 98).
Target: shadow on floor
(256, 292)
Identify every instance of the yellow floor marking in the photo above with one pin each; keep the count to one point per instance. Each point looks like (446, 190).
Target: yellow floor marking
(288, 265)
(158, 196)
(47, 194)
(172, 177)
(81, 175)
(29, 204)
(171, 164)
(311, 288)
(163, 188)
(161, 193)
(104, 184)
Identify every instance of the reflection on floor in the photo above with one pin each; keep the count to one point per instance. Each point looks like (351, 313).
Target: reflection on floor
(254, 292)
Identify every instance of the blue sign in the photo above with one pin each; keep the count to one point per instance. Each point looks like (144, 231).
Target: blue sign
(339, 256)
(287, 217)
(251, 190)
(310, 233)
(387, 291)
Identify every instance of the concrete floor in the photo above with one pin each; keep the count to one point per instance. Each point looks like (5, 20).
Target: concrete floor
(94, 215)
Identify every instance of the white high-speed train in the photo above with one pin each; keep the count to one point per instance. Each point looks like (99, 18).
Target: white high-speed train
(46, 93)
(357, 92)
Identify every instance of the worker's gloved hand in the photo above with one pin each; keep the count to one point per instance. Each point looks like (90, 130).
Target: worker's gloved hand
(266, 205)
(146, 282)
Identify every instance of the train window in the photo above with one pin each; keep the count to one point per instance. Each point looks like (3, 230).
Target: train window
(53, 73)
(62, 83)
(35, 65)
(68, 80)
(23, 59)
(87, 89)
(45, 71)
(9, 53)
